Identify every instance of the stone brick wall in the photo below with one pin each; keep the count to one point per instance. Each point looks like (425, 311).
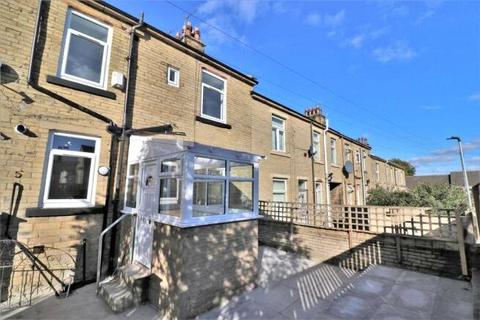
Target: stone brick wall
(195, 269)
(361, 249)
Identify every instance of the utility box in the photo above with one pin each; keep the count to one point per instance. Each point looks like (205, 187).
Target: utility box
(118, 80)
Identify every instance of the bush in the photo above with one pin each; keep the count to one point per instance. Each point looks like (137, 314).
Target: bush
(426, 195)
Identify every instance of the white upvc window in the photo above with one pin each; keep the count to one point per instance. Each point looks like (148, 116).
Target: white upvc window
(85, 51)
(131, 190)
(221, 186)
(348, 152)
(333, 150)
(357, 156)
(316, 145)
(70, 179)
(173, 77)
(214, 105)
(318, 192)
(302, 191)
(278, 134)
(377, 171)
(279, 190)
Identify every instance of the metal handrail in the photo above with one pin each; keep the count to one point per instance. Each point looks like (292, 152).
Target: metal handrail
(100, 242)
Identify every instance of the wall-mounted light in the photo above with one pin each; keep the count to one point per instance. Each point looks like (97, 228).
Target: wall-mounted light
(103, 171)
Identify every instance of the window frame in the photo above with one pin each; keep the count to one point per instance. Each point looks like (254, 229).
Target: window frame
(377, 171)
(316, 144)
(285, 191)
(68, 31)
(92, 181)
(127, 185)
(318, 192)
(178, 175)
(333, 150)
(302, 190)
(223, 107)
(276, 144)
(175, 83)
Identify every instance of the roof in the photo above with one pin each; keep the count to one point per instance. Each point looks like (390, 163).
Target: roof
(203, 56)
(387, 162)
(282, 107)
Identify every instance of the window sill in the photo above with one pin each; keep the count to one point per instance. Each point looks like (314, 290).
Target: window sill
(280, 153)
(213, 122)
(335, 165)
(81, 87)
(57, 212)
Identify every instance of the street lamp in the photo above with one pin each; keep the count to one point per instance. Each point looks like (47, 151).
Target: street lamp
(465, 177)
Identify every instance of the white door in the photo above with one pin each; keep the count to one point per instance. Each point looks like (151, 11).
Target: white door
(147, 208)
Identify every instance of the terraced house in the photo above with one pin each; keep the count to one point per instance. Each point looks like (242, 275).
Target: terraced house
(106, 119)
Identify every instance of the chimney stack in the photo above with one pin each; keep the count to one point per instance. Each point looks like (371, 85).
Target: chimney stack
(316, 114)
(363, 140)
(191, 36)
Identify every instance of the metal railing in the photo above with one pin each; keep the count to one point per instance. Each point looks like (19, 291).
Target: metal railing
(27, 274)
(100, 242)
(412, 221)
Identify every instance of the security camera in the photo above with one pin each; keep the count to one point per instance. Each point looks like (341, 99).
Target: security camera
(21, 128)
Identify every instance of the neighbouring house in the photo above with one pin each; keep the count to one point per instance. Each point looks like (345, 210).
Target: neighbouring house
(385, 174)
(104, 115)
(454, 178)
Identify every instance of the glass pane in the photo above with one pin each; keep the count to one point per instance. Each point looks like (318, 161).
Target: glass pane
(73, 144)
(241, 195)
(274, 139)
(171, 165)
(242, 170)
(88, 27)
(171, 75)
(169, 203)
(212, 103)
(282, 140)
(133, 169)
(208, 198)
(212, 81)
(302, 184)
(277, 123)
(85, 59)
(207, 166)
(279, 185)
(70, 177)
(131, 200)
(279, 197)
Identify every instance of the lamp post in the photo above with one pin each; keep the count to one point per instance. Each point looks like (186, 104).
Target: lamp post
(465, 177)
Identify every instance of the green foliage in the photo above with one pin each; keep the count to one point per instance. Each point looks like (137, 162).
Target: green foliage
(425, 195)
(407, 166)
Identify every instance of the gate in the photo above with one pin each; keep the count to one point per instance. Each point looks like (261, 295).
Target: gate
(27, 273)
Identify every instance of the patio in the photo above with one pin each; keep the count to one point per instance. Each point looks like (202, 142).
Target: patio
(292, 287)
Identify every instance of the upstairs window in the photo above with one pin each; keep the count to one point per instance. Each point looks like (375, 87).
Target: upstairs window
(302, 191)
(173, 77)
(86, 49)
(278, 134)
(70, 177)
(333, 150)
(377, 172)
(213, 97)
(316, 146)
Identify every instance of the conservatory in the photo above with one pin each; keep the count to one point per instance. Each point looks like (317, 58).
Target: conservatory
(188, 184)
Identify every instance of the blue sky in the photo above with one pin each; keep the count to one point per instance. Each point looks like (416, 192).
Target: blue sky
(404, 74)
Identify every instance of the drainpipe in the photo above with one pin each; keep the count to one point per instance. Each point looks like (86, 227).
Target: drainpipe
(313, 162)
(123, 138)
(327, 182)
(362, 167)
(34, 42)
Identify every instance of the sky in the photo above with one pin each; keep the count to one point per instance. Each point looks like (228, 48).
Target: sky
(406, 75)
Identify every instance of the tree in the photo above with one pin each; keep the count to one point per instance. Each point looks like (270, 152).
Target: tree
(405, 165)
(440, 196)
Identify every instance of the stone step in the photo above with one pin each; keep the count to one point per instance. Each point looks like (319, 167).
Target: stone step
(136, 277)
(116, 294)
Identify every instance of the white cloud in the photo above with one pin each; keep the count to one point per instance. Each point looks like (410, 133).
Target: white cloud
(242, 10)
(334, 21)
(398, 51)
(355, 42)
(474, 97)
(446, 155)
(313, 19)
(377, 33)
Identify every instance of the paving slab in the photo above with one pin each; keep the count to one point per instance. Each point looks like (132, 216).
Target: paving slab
(352, 307)
(414, 299)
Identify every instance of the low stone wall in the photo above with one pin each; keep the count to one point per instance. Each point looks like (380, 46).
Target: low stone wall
(195, 269)
(358, 250)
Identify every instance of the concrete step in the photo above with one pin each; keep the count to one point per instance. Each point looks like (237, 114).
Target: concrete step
(136, 277)
(116, 294)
